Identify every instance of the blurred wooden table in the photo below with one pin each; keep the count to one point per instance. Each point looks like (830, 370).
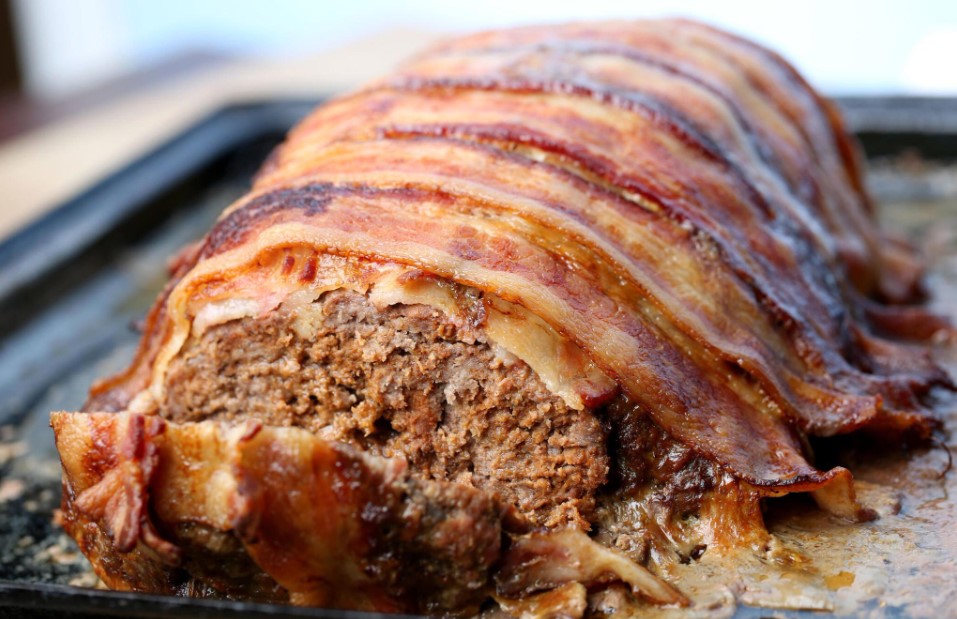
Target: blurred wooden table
(44, 166)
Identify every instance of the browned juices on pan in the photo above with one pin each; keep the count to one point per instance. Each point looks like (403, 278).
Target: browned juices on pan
(521, 326)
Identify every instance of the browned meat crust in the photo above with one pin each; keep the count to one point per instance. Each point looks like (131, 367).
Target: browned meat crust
(403, 381)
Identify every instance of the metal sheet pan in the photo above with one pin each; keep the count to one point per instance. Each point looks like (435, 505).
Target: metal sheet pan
(74, 284)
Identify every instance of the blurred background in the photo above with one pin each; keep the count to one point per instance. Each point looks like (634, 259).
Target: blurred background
(86, 85)
(53, 48)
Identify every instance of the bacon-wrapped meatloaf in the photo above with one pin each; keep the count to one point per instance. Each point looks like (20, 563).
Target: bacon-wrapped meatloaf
(540, 313)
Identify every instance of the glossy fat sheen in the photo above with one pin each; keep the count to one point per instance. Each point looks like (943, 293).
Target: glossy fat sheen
(676, 201)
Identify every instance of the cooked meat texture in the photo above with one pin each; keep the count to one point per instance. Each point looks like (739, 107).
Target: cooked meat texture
(404, 381)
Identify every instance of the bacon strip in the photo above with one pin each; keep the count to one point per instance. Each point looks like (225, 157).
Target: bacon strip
(662, 259)
(676, 201)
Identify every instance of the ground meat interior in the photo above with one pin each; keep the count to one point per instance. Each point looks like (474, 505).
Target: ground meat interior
(403, 381)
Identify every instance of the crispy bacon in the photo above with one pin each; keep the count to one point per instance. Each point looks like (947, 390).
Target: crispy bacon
(675, 205)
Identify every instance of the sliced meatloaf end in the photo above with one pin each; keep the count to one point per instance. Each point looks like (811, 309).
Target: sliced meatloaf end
(401, 381)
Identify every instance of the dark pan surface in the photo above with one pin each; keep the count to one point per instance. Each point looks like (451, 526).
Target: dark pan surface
(74, 285)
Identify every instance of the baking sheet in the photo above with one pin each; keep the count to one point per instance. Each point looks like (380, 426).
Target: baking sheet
(73, 286)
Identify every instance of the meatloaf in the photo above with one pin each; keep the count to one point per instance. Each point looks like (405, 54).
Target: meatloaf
(513, 330)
